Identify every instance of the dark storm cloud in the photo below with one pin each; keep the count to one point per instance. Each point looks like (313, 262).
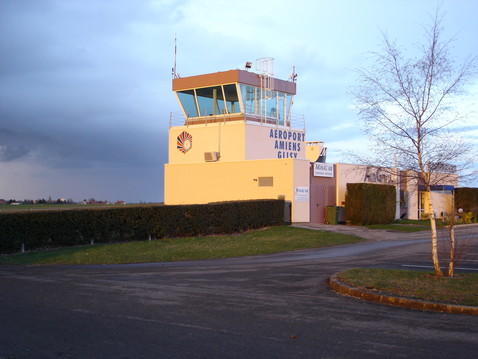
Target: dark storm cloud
(11, 146)
(76, 89)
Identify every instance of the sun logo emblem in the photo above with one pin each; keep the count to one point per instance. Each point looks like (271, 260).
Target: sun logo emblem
(184, 142)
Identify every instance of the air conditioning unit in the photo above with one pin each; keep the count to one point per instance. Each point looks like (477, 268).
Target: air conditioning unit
(211, 156)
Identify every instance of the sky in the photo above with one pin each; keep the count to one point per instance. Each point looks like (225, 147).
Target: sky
(85, 85)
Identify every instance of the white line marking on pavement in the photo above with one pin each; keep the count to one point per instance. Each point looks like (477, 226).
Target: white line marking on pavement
(417, 266)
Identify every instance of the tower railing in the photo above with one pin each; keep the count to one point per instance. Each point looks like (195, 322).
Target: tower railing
(296, 121)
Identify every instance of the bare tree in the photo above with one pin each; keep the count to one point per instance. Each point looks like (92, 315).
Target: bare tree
(408, 105)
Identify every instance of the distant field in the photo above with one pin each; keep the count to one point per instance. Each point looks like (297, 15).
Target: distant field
(4, 208)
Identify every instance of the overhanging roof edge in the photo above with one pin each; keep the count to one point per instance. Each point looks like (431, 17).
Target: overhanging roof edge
(231, 76)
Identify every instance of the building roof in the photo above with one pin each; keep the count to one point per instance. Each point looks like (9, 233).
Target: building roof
(231, 76)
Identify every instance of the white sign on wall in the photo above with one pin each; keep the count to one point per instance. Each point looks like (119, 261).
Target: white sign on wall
(302, 194)
(323, 169)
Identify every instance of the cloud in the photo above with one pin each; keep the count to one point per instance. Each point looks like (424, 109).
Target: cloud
(10, 149)
(82, 89)
(85, 89)
(78, 88)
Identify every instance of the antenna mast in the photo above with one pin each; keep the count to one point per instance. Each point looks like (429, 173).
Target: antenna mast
(293, 75)
(174, 74)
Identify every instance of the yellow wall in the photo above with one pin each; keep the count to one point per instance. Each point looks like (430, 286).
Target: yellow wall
(425, 201)
(196, 183)
(227, 138)
(236, 141)
(313, 150)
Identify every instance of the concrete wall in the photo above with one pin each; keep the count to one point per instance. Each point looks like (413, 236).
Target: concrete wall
(442, 203)
(411, 193)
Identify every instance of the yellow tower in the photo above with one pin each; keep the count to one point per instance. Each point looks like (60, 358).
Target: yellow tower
(236, 140)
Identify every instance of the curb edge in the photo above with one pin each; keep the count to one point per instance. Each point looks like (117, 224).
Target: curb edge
(416, 304)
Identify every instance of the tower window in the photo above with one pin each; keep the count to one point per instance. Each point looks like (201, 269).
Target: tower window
(232, 99)
(210, 101)
(188, 102)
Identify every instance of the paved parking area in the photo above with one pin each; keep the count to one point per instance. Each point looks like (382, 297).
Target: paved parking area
(466, 262)
(466, 248)
(466, 254)
(254, 307)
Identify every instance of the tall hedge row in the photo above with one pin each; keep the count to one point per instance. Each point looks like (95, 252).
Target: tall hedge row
(368, 203)
(57, 228)
(466, 198)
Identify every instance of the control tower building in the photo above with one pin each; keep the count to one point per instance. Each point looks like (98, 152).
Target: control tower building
(237, 140)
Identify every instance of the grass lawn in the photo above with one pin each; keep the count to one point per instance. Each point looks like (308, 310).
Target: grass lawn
(399, 227)
(263, 241)
(462, 289)
(406, 225)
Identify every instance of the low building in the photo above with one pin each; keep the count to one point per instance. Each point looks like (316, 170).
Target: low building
(237, 139)
(328, 186)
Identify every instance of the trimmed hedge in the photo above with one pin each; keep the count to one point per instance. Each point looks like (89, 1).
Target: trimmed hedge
(368, 203)
(58, 228)
(467, 199)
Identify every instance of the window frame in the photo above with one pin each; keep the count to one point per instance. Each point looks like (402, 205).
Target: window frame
(198, 108)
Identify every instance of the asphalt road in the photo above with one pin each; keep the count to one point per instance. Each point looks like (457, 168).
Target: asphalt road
(275, 306)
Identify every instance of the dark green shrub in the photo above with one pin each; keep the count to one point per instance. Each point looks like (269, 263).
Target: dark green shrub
(368, 203)
(58, 228)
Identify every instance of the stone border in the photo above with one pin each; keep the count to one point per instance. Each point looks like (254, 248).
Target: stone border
(409, 303)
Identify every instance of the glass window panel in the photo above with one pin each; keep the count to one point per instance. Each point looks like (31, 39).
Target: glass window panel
(187, 101)
(232, 100)
(262, 96)
(258, 101)
(280, 107)
(271, 104)
(257, 108)
(288, 105)
(250, 99)
(274, 105)
(247, 93)
(218, 100)
(210, 101)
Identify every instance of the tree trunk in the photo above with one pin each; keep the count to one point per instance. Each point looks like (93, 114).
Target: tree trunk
(433, 226)
(451, 228)
(451, 264)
